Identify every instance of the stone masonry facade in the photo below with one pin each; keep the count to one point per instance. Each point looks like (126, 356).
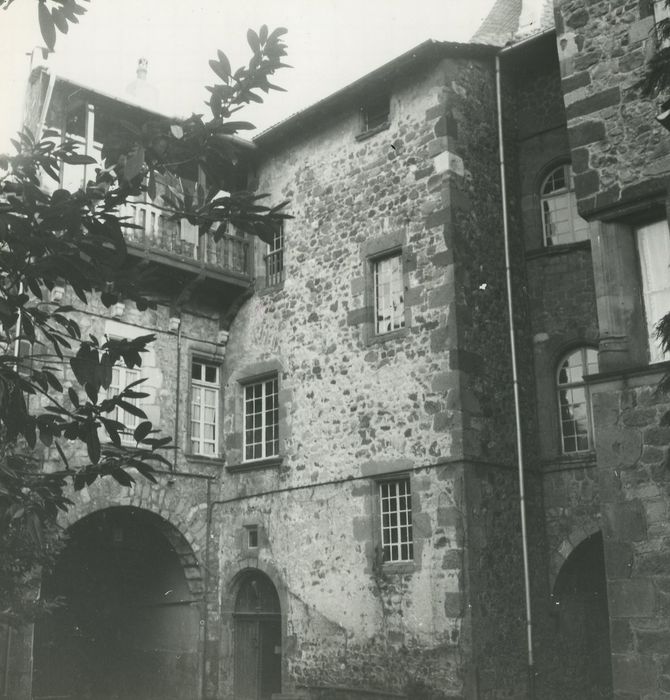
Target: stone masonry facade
(432, 401)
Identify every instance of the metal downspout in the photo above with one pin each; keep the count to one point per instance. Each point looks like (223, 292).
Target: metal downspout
(515, 384)
(177, 398)
(205, 593)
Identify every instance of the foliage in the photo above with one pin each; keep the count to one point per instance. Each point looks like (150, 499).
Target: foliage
(656, 79)
(54, 15)
(75, 240)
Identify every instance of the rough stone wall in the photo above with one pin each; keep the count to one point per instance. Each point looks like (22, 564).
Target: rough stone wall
(350, 620)
(557, 311)
(633, 446)
(493, 542)
(618, 149)
(356, 406)
(180, 500)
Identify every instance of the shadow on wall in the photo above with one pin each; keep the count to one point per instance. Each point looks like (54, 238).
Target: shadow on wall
(129, 626)
(581, 639)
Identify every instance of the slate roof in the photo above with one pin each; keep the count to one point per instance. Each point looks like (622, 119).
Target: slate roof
(501, 26)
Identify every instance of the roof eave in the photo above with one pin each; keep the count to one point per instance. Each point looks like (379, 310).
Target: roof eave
(406, 62)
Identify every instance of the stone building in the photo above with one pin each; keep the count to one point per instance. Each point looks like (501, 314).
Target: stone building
(343, 519)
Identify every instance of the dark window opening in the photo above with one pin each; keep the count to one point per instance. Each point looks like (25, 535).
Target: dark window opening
(376, 113)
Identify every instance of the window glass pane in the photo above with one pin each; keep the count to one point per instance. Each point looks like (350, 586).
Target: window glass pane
(560, 216)
(574, 401)
(261, 419)
(204, 408)
(396, 520)
(654, 253)
(389, 294)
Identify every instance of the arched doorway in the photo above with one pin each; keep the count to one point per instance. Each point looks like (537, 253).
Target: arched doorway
(582, 622)
(129, 628)
(257, 623)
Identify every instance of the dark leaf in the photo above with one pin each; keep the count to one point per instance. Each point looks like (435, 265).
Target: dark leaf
(62, 455)
(78, 159)
(122, 477)
(254, 43)
(142, 430)
(91, 391)
(73, 397)
(133, 410)
(46, 26)
(93, 444)
(60, 20)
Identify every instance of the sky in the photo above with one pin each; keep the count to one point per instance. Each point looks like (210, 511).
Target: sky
(330, 44)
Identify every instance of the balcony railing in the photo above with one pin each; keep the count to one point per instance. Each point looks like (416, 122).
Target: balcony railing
(179, 238)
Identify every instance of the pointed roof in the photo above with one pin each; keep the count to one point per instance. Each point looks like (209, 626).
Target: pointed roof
(512, 20)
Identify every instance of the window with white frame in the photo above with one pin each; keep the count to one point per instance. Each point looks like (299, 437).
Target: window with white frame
(561, 222)
(204, 408)
(396, 520)
(389, 298)
(274, 260)
(122, 376)
(261, 419)
(653, 244)
(574, 402)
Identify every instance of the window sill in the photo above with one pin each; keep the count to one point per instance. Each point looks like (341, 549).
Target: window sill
(204, 459)
(561, 463)
(391, 335)
(255, 465)
(371, 132)
(399, 567)
(271, 288)
(557, 249)
(654, 368)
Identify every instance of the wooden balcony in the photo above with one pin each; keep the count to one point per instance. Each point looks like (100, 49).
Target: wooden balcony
(176, 244)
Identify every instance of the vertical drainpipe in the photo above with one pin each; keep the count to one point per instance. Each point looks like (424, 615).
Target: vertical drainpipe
(515, 384)
(205, 592)
(177, 396)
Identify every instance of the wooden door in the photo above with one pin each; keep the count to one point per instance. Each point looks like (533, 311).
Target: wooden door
(247, 652)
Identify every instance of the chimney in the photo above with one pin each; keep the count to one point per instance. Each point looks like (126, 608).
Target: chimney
(142, 68)
(141, 89)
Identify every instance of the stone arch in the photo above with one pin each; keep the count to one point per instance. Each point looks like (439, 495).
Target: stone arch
(577, 535)
(229, 590)
(183, 526)
(132, 623)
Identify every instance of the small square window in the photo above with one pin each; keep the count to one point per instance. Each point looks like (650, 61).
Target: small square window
(252, 537)
(376, 113)
(396, 520)
(261, 420)
(389, 300)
